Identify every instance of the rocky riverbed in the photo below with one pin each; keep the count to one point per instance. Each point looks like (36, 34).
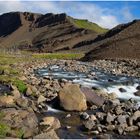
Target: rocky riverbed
(72, 99)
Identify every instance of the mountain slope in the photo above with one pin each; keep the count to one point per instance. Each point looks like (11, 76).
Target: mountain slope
(44, 33)
(123, 41)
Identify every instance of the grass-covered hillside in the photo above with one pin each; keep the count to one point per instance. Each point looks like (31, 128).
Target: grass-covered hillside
(81, 23)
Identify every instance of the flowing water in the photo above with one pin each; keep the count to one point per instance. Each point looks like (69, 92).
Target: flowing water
(107, 82)
(104, 81)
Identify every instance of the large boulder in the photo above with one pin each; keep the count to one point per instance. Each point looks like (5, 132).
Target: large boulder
(7, 100)
(48, 135)
(92, 97)
(50, 123)
(72, 98)
(20, 120)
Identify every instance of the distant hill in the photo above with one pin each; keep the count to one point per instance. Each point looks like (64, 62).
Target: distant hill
(122, 42)
(45, 33)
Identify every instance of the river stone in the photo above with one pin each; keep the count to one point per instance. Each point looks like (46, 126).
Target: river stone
(21, 120)
(72, 98)
(131, 128)
(89, 124)
(137, 93)
(22, 102)
(122, 90)
(135, 117)
(110, 118)
(15, 92)
(41, 99)
(138, 87)
(6, 100)
(122, 119)
(84, 115)
(92, 97)
(48, 135)
(51, 122)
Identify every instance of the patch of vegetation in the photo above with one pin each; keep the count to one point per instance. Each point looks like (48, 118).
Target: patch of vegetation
(4, 129)
(20, 85)
(88, 25)
(59, 55)
(15, 81)
(20, 133)
(8, 70)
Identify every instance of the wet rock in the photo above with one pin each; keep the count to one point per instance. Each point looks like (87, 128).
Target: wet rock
(137, 93)
(89, 124)
(48, 135)
(51, 123)
(122, 90)
(92, 97)
(138, 87)
(84, 115)
(71, 98)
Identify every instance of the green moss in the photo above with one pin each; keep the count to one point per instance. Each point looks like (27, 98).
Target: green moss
(4, 129)
(88, 25)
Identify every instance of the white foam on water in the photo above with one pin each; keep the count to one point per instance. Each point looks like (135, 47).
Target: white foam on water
(130, 90)
(52, 109)
(101, 82)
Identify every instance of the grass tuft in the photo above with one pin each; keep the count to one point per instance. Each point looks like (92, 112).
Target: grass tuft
(4, 129)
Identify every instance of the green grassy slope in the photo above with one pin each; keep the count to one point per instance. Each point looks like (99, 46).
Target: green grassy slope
(88, 25)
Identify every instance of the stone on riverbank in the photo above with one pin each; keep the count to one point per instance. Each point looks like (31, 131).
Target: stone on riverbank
(72, 98)
(51, 122)
(20, 120)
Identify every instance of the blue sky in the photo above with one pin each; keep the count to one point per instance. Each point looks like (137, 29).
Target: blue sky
(106, 14)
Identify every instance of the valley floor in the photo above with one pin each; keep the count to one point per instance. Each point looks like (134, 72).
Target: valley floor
(32, 105)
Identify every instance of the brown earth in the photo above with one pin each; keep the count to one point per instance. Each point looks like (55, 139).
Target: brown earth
(122, 42)
(37, 32)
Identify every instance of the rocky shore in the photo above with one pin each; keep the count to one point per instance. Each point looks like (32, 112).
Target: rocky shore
(49, 106)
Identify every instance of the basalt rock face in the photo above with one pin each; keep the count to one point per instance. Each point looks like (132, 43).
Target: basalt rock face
(121, 42)
(9, 23)
(50, 19)
(42, 33)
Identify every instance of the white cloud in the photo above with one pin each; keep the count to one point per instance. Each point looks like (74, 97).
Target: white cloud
(83, 10)
(127, 14)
